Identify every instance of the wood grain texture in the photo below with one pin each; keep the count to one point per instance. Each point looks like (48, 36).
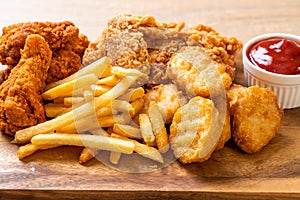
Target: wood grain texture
(273, 173)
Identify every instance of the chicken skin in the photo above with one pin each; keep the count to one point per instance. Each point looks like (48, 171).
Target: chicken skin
(20, 97)
(60, 36)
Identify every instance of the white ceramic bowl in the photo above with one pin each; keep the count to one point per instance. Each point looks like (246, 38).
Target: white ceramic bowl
(285, 87)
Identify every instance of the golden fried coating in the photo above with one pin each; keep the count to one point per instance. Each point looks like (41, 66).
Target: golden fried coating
(219, 47)
(20, 97)
(131, 22)
(168, 98)
(255, 116)
(196, 73)
(196, 131)
(226, 132)
(62, 37)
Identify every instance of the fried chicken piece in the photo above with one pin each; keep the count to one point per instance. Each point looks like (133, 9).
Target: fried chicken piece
(128, 50)
(20, 97)
(196, 131)
(168, 99)
(218, 47)
(59, 36)
(127, 38)
(255, 116)
(196, 73)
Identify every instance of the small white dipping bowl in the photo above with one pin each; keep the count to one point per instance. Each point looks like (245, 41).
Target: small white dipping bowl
(285, 87)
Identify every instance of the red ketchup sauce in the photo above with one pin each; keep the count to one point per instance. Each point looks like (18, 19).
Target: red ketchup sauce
(277, 55)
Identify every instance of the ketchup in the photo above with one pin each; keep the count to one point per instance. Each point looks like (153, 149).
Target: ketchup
(277, 55)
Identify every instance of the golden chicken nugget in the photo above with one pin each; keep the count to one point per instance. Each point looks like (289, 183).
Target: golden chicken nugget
(255, 115)
(195, 130)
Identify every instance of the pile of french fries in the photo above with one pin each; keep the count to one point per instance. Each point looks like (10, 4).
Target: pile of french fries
(98, 108)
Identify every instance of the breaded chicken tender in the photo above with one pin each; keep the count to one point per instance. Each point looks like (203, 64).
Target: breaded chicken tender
(196, 131)
(194, 71)
(255, 116)
(168, 99)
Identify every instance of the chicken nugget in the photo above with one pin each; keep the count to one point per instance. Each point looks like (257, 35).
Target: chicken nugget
(193, 71)
(196, 130)
(168, 99)
(255, 115)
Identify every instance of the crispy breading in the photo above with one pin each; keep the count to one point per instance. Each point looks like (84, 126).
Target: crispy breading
(59, 36)
(255, 116)
(219, 47)
(196, 131)
(168, 99)
(20, 97)
(123, 22)
(192, 69)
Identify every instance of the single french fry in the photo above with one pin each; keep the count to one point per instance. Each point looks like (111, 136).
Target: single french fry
(98, 90)
(53, 109)
(29, 149)
(108, 121)
(133, 94)
(98, 68)
(137, 105)
(106, 111)
(127, 131)
(114, 157)
(99, 131)
(146, 129)
(106, 72)
(143, 150)
(109, 81)
(83, 140)
(88, 95)
(87, 154)
(90, 123)
(25, 135)
(80, 125)
(69, 101)
(69, 88)
(58, 100)
(123, 106)
(158, 127)
(120, 71)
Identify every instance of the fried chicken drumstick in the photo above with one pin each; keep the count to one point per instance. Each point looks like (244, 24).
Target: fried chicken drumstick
(20, 97)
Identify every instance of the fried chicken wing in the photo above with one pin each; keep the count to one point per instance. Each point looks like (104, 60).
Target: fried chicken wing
(168, 98)
(20, 97)
(255, 115)
(197, 130)
(59, 36)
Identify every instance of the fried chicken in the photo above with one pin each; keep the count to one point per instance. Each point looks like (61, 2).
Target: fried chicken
(59, 36)
(157, 43)
(255, 116)
(20, 97)
(197, 130)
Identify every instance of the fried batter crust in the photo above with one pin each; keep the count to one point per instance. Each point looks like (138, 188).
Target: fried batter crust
(192, 124)
(255, 116)
(20, 97)
(59, 36)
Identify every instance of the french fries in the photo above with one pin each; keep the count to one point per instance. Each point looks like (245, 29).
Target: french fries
(79, 85)
(146, 129)
(97, 68)
(97, 109)
(158, 127)
(84, 140)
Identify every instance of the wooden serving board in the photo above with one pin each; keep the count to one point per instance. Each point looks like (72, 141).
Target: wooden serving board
(229, 174)
(273, 173)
